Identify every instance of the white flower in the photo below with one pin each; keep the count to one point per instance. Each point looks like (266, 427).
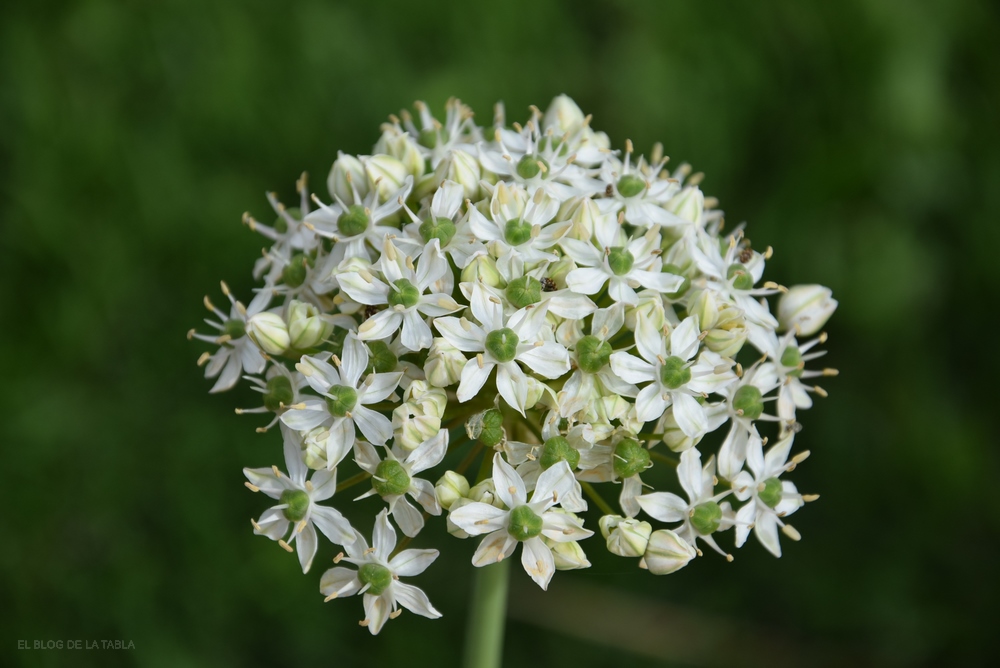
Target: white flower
(771, 499)
(806, 308)
(702, 515)
(733, 274)
(789, 360)
(298, 508)
(236, 353)
(378, 577)
(403, 294)
(345, 396)
(523, 521)
(743, 406)
(677, 377)
(442, 222)
(622, 266)
(392, 478)
(502, 343)
(638, 193)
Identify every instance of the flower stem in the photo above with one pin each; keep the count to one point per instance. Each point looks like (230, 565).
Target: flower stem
(353, 480)
(597, 498)
(484, 637)
(663, 458)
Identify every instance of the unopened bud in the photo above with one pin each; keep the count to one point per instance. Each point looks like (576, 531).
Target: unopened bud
(482, 268)
(667, 552)
(806, 306)
(625, 537)
(444, 363)
(402, 146)
(347, 170)
(450, 488)
(386, 174)
(269, 332)
(308, 327)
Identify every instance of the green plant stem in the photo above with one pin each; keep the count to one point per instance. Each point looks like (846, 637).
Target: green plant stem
(487, 615)
(353, 480)
(663, 458)
(597, 498)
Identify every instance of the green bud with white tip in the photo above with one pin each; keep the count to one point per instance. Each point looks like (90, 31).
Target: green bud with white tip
(308, 327)
(666, 553)
(269, 331)
(625, 537)
(450, 488)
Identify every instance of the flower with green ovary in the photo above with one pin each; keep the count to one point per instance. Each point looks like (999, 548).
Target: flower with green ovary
(234, 328)
(376, 577)
(442, 229)
(403, 293)
(402, 286)
(769, 500)
(749, 401)
(379, 576)
(431, 137)
(706, 518)
(383, 360)
(298, 504)
(354, 221)
(340, 400)
(769, 492)
(630, 458)
(524, 291)
(298, 512)
(674, 372)
(390, 478)
(235, 355)
(529, 166)
(507, 342)
(502, 344)
(279, 393)
(678, 371)
(631, 185)
(522, 521)
(620, 260)
(791, 359)
(702, 514)
(517, 232)
(557, 449)
(740, 276)
(346, 393)
(296, 271)
(592, 354)
(394, 478)
(492, 428)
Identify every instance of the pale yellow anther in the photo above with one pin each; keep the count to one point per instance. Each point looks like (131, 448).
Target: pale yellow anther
(252, 487)
(729, 558)
(225, 288)
(809, 498)
(277, 473)
(466, 325)
(204, 357)
(225, 338)
(820, 391)
(335, 360)
(830, 372)
(791, 532)
(330, 597)
(301, 527)
(309, 486)
(801, 457)
(285, 546)
(256, 526)
(479, 360)
(208, 304)
(364, 622)
(628, 146)
(336, 559)
(395, 613)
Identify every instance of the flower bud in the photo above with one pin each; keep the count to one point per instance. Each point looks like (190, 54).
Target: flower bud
(563, 116)
(568, 556)
(386, 175)
(444, 363)
(462, 168)
(430, 400)
(689, 204)
(307, 325)
(667, 552)
(650, 306)
(450, 488)
(453, 528)
(556, 272)
(482, 268)
(626, 537)
(347, 170)
(705, 306)
(402, 146)
(806, 306)
(584, 213)
(411, 429)
(726, 341)
(485, 492)
(673, 436)
(269, 332)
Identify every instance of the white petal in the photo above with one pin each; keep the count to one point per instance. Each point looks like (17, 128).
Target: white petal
(366, 456)
(422, 492)
(684, 338)
(354, 360)
(689, 473)
(313, 414)
(306, 544)
(654, 280)
(319, 373)
(690, 415)
(416, 333)
(362, 291)
(650, 404)
(332, 524)
(664, 506)
(766, 530)
(631, 369)
(493, 548)
(621, 292)
(629, 497)
(553, 484)
(381, 325)
(586, 280)
(414, 599)
(509, 485)
(512, 385)
(454, 331)
(377, 609)
(408, 518)
(429, 453)
(648, 339)
(378, 386)
(550, 359)
(478, 518)
(563, 528)
(324, 484)
(488, 312)
(376, 427)
(412, 562)
(265, 480)
(582, 252)
(340, 580)
(536, 557)
(473, 378)
(744, 520)
(383, 536)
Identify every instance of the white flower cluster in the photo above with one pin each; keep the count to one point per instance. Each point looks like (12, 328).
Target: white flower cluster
(527, 298)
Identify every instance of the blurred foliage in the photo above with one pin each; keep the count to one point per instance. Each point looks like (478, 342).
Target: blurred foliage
(858, 138)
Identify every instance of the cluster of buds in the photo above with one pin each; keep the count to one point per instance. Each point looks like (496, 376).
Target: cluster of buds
(525, 302)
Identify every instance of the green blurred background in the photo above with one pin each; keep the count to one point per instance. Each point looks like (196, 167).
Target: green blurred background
(860, 139)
